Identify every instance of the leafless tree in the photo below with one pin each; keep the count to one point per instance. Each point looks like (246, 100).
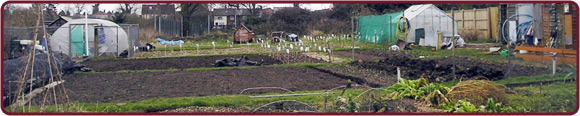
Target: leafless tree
(78, 8)
(253, 8)
(96, 8)
(68, 10)
(128, 8)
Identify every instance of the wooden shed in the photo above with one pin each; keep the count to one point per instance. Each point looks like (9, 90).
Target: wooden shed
(243, 34)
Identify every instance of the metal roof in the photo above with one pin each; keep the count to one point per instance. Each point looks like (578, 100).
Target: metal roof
(415, 10)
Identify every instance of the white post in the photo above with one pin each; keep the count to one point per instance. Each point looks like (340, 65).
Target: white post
(236, 19)
(398, 74)
(165, 49)
(554, 65)
(208, 24)
(197, 46)
(87, 34)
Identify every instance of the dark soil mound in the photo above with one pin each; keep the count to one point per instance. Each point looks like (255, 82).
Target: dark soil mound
(442, 69)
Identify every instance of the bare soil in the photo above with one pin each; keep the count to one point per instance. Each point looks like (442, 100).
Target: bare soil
(439, 70)
(170, 62)
(121, 87)
(295, 58)
(379, 77)
(364, 55)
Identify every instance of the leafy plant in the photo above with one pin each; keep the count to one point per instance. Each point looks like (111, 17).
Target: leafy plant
(418, 90)
(464, 106)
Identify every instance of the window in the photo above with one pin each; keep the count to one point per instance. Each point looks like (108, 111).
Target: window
(219, 18)
(231, 18)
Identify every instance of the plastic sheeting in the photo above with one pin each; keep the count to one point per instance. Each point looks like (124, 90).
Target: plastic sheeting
(165, 42)
(370, 27)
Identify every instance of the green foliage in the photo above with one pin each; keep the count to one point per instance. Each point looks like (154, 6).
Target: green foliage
(557, 97)
(530, 79)
(416, 89)
(463, 106)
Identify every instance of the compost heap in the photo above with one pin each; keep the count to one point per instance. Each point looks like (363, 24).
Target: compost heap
(243, 61)
(14, 69)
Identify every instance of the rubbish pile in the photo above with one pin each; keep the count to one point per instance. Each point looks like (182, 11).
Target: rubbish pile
(243, 61)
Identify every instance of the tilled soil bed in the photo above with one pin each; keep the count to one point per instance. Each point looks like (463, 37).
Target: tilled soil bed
(295, 58)
(439, 70)
(364, 55)
(121, 87)
(373, 76)
(167, 63)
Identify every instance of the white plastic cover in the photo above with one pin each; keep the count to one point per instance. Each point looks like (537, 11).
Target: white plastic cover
(432, 19)
(60, 41)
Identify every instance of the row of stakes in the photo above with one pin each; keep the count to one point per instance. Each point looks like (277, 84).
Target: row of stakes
(288, 47)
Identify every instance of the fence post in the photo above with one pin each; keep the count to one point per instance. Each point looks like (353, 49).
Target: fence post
(181, 26)
(475, 29)
(117, 42)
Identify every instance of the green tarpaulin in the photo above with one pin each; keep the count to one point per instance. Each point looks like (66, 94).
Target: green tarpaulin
(367, 25)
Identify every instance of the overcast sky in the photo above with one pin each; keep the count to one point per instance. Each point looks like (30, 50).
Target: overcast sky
(113, 7)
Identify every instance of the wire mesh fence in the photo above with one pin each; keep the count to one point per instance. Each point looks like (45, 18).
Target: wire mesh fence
(178, 26)
(133, 37)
